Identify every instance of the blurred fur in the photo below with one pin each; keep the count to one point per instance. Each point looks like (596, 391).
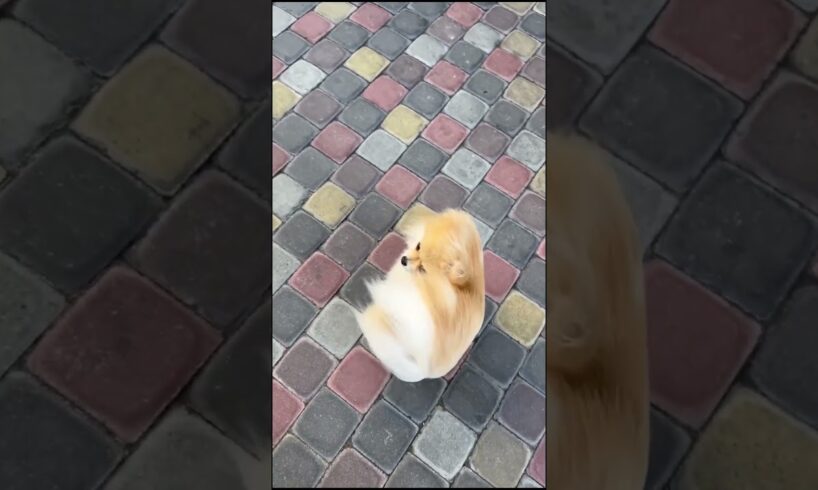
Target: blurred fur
(425, 314)
(596, 362)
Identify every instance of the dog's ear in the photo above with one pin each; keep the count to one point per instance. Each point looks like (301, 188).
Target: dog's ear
(458, 272)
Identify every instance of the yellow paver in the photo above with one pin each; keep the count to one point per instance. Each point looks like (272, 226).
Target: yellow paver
(276, 222)
(404, 124)
(366, 63)
(521, 318)
(521, 44)
(411, 217)
(519, 7)
(538, 183)
(524, 93)
(751, 443)
(284, 99)
(335, 11)
(330, 204)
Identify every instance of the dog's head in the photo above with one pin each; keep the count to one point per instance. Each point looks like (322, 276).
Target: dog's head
(444, 243)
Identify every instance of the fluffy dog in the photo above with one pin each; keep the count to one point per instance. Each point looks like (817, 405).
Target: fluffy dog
(430, 306)
(596, 367)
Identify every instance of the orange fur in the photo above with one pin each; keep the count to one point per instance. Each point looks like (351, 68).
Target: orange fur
(596, 362)
(447, 274)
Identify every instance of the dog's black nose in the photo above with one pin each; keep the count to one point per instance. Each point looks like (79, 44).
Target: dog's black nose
(403, 260)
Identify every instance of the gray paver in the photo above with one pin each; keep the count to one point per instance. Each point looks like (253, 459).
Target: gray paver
(335, 328)
(326, 423)
(384, 435)
(444, 443)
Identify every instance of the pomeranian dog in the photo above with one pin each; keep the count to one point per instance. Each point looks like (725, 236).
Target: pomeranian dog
(427, 310)
(596, 359)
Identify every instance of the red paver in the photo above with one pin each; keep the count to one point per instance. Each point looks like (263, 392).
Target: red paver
(280, 158)
(697, 343)
(503, 64)
(370, 17)
(105, 356)
(385, 93)
(451, 373)
(736, 42)
(286, 408)
(351, 470)
(278, 67)
(500, 276)
(536, 469)
(447, 77)
(541, 249)
(359, 379)
(387, 252)
(464, 13)
(400, 186)
(312, 27)
(445, 133)
(337, 142)
(318, 279)
(509, 176)
(487, 141)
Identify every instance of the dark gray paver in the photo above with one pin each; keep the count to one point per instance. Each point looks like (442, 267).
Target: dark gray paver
(472, 398)
(533, 370)
(292, 314)
(785, 365)
(78, 27)
(310, 168)
(411, 473)
(295, 465)
(343, 85)
(384, 435)
(375, 215)
(294, 133)
(513, 243)
(233, 389)
(38, 81)
(423, 159)
(301, 235)
(362, 116)
(326, 423)
(672, 150)
(416, 400)
(93, 210)
(739, 239)
(45, 443)
(27, 307)
(497, 355)
(349, 246)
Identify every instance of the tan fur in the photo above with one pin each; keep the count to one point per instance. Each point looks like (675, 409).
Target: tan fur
(447, 271)
(596, 367)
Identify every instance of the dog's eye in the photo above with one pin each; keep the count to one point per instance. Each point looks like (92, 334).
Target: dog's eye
(417, 249)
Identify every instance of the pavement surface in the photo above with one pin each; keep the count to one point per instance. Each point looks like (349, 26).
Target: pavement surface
(710, 108)
(134, 250)
(380, 111)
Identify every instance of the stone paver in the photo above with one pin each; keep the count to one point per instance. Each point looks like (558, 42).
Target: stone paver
(706, 113)
(417, 107)
(135, 260)
(499, 457)
(42, 437)
(444, 444)
(82, 342)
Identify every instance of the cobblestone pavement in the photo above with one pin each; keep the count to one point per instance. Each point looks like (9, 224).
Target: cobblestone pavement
(380, 111)
(711, 107)
(134, 248)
